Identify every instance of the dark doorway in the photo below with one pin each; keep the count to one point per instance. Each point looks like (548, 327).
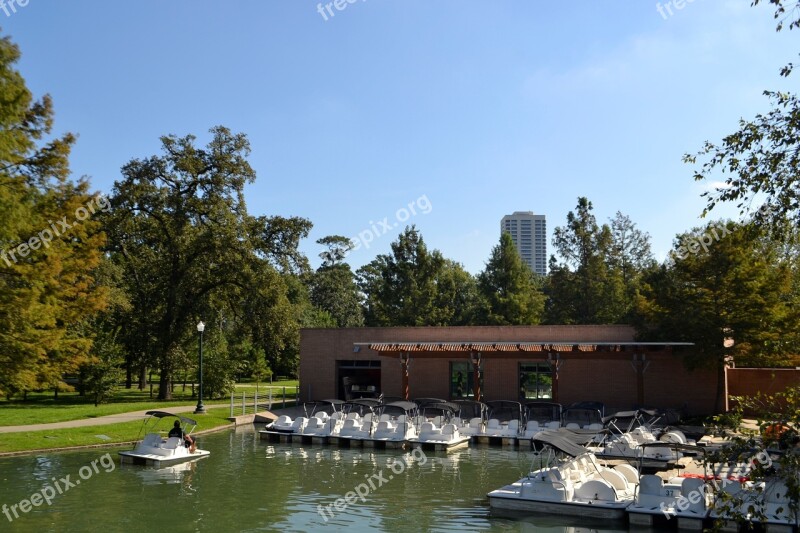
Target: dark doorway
(358, 379)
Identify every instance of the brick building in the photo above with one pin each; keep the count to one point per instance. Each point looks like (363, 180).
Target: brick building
(564, 364)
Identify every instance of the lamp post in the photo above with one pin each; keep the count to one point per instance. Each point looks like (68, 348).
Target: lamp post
(200, 409)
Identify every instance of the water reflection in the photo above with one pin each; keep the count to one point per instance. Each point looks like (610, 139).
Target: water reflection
(248, 485)
(182, 473)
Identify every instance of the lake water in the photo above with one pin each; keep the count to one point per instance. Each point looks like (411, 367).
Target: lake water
(250, 485)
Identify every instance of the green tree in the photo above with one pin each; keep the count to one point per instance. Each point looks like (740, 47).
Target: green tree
(333, 285)
(510, 290)
(411, 286)
(628, 259)
(580, 289)
(737, 285)
(189, 250)
(50, 243)
(220, 366)
(260, 369)
(338, 248)
(457, 294)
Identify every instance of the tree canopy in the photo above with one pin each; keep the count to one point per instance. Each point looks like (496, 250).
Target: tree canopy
(49, 243)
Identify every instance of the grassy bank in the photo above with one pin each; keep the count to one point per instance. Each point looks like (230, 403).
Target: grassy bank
(93, 435)
(43, 408)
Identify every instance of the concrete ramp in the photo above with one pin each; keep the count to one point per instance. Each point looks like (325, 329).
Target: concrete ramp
(264, 417)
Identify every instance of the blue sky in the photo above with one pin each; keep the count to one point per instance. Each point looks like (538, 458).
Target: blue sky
(478, 108)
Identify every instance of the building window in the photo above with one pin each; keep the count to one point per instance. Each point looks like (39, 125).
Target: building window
(461, 380)
(535, 381)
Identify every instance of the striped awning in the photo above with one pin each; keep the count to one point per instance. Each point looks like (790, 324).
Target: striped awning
(489, 347)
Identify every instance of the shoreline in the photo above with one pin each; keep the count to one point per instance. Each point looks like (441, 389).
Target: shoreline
(20, 453)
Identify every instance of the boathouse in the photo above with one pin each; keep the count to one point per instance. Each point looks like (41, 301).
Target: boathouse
(563, 364)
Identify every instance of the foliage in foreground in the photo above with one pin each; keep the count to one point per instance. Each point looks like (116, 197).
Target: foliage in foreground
(772, 452)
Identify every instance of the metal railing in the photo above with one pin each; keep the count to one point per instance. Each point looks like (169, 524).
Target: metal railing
(265, 399)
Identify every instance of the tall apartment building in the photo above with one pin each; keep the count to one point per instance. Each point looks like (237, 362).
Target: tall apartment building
(529, 233)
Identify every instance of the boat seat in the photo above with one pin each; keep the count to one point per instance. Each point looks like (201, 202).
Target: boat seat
(437, 420)
(690, 485)
(555, 475)
(776, 492)
(650, 494)
(450, 430)
(555, 424)
(531, 428)
(594, 427)
(385, 425)
(776, 502)
(384, 418)
(173, 443)
(152, 439)
(284, 420)
(513, 428)
(573, 425)
(674, 437)
(616, 479)
(493, 424)
(630, 473)
(315, 422)
(430, 431)
(576, 473)
(596, 489)
(474, 428)
(650, 484)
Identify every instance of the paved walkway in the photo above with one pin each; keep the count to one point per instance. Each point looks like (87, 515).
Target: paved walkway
(103, 420)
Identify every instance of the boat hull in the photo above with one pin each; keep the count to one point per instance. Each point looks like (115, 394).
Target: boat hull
(146, 459)
(601, 511)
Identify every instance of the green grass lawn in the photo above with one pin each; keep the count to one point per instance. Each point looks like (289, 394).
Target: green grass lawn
(122, 432)
(42, 408)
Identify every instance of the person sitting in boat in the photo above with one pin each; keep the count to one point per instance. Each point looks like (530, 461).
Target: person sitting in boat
(176, 431)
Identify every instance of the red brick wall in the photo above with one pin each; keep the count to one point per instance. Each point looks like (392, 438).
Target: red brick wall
(750, 381)
(667, 383)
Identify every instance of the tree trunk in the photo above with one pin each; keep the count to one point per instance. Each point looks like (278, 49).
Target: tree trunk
(142, 377)
(165, 385)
